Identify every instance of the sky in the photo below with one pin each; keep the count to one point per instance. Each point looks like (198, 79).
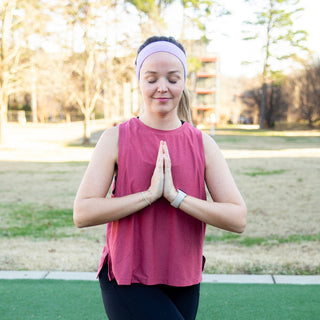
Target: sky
(227, 36)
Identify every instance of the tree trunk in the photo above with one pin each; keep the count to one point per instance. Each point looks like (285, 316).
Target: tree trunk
(3, 116)
(127, 100)
(269, 115)
(5, 29)
(86, 129)
(263, 106)
(2, 130)
(106, 109)
(34, 106)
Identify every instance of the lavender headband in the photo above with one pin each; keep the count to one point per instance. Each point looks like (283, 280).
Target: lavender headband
(161, 46)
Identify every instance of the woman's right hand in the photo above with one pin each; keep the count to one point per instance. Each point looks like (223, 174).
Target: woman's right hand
(155, 190)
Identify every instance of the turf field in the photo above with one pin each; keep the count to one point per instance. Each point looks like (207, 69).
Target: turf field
(59, 299)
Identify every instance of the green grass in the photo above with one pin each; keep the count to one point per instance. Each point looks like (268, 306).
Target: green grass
(34, 221)
(264, 268)
(234, 135)
(228, 237)
(258, 302)
(46, 172)
(80, 145)
(263, 139)
(50, 299)
(57, 299)
(267, 133)
(31, 221)
(262, 172)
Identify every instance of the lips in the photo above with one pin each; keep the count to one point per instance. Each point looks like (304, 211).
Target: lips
(162, 99)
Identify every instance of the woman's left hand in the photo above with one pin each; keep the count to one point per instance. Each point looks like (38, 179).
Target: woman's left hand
(169, 190)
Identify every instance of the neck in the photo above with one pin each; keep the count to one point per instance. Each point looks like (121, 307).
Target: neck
(161, 123)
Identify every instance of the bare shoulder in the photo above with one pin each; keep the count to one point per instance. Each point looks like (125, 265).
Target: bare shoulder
(211, 149)
(208, 140)
(110, 134)
(98, 176)
(108, 143)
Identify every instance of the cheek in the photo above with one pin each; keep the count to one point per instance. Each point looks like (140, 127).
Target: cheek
(178, 91)
(146, 90)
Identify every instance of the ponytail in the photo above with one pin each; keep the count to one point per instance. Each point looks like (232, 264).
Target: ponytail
(184, 109)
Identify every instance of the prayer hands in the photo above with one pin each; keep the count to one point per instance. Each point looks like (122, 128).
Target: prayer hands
(161, 181)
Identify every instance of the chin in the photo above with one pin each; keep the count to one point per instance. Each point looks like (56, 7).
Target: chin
(164, 111)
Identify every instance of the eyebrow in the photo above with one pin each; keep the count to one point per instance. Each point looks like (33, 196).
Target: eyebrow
(170, 72)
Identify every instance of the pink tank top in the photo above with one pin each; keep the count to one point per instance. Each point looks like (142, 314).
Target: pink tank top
(159, 244)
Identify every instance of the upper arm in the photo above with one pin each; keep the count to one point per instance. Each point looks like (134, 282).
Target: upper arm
(99, 174)
(218, 177)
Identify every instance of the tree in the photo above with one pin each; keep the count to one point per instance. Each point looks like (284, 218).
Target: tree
(309, 93)
(279, 102)
(195, 14)
(9, 59)
(274, 23)
(150, 15)
(33, 29)
(252, 99)
(18, 20)
(85, 80)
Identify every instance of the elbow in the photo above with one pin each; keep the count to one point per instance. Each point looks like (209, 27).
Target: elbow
(242, 222)
(78, 223)
(77, 216)
(240, 229)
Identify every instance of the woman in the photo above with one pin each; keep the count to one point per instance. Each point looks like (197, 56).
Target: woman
(152, 262)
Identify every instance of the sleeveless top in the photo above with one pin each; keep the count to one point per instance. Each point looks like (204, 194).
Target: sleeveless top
(158, 244)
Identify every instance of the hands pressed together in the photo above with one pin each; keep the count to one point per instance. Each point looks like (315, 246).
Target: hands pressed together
(228, 211)
(161, 181)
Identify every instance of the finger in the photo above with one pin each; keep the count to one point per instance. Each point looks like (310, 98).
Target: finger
(169, 190)
(157, 179)
(167, 163)
(160, 156)
(166, 156)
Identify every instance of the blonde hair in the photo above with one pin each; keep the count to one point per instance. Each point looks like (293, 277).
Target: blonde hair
(184, 109)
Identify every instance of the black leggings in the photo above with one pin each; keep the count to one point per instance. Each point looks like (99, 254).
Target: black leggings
(142, 302)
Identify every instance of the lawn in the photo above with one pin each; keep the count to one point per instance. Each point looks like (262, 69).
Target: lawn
(277, 172)
(58, 299)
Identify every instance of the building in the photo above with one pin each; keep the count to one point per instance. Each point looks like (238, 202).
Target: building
(206, 102)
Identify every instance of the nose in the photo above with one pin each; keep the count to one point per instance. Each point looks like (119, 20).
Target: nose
(162, 87)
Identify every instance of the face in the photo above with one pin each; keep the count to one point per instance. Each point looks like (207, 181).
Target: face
(161, 83)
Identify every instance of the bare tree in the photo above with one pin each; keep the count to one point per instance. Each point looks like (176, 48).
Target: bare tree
(87, 75)
(309, 93)
(19, 20)
(9, 61)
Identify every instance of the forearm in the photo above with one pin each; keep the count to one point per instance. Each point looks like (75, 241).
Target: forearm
(96, 211)
(227, 216)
